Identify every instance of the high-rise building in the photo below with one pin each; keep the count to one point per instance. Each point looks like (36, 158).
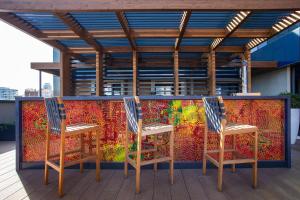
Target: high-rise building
(47, 90)
(7, 93)
(30, 92)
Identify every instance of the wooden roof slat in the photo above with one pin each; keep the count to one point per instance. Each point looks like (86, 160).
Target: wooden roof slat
(182, 27)
(124, 23)
(76, 27)
(113, 5)
(278, 27)
(158, 49)
(232, 26)
(159, 33)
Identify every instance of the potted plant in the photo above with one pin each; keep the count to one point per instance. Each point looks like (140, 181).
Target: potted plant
(295, 115)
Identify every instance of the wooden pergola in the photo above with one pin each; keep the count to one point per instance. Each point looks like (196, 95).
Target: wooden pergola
(88, 33)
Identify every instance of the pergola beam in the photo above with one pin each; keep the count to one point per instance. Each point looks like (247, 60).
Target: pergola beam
(124, 23)
(232, 26)
(134, 73)
(113, 5)
(182, 27)
(76, 27)
(159, 49)
(158, 33)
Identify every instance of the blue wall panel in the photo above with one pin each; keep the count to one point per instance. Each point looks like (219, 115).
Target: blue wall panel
(284, 48)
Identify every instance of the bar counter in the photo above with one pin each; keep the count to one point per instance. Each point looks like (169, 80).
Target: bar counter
(270, 114)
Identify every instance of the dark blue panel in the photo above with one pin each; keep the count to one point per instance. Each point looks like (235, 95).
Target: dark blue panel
(154, 19)
(155, 41)
(210, 19)
(190, 55)
(114, 42)
(196, 41)
(283, 48)
(264, 19)
(74, 43)
(97, 20)
(43, 21)
(235, 41)
(156, 55)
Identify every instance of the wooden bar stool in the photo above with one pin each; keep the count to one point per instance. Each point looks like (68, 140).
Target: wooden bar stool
(216, 122)
(57, 125)
(135, 125)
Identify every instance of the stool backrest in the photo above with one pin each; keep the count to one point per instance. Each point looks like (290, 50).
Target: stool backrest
(215, 113)
(56, 114)
(133, 113)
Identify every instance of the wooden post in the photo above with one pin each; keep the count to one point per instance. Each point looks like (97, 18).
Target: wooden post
(134, 73)
(249, 66)
(212, 72)
(40, 83)
(176, 76)
(65, 75)
(99, 73)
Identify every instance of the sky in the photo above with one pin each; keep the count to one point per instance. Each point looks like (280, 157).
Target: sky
(17, 51)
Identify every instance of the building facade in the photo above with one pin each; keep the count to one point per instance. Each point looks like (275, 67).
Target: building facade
(7, 93)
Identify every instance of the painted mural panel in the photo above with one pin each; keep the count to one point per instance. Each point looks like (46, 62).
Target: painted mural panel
(187, 116)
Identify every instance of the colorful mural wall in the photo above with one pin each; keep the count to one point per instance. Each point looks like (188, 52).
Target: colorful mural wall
(186, 115)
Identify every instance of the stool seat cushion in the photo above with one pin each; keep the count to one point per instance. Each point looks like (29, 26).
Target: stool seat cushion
(83, 127)
(231, 129)
(156, 128)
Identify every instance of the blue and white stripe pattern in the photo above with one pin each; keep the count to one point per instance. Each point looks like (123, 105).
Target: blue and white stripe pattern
(215, 113)
(133, 113)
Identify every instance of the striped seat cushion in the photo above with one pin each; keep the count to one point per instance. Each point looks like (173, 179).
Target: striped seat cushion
(156, 128)
(239, 129)
(80, 127)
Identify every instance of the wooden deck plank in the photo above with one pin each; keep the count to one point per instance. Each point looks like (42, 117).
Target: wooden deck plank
(162, 186)
(209, 184)
(83, 183)
(13, 188)
(237, 187)
(127, 191)
(96, 188)
(194, 187)
(266, 187)
(147, 185)
(113, 187)
(179, 189)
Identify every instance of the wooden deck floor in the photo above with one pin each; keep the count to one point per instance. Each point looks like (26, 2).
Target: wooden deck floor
(189, 184)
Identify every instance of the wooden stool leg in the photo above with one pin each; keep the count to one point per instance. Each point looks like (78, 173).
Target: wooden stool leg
(97, 156)
(204, 152)
(81, 152)
(233, 156)
(172, 156)
(254, 167)
(155, 152)
(221, 158)
(46, 175)
(138, 163)
(90, 143)
(61, 165)
(126, 153)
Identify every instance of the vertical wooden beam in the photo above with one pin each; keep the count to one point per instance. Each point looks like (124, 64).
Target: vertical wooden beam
(40, 83)
(212, 72)
(249, 66)
(65, 75)
(176, 74)
(134, 73)
(99, 73)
